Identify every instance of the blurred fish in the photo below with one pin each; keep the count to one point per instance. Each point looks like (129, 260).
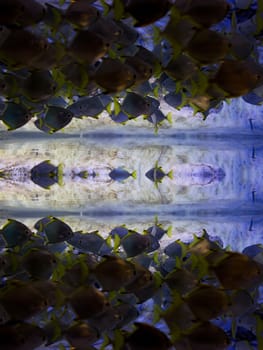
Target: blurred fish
(157, 231)
(39, 86)
(174, 249)
(241, 303)
(55, 118)
(39, 263)
(151, 288)
(107, 29)
(174, 100)
(208, 46)
(253, 98)
(143, 279)
(207, 302)
(121, 117)
(241, 46)
(204, 12)
(81, 14)
(50, 58)
(135, 105)
(204, 337)
(21, 300)
(15, 233)
(237, 78)
(181, 280)
(21, 13)
(46, 174)
(105, 321)
(236, 270)
(127, 313)
(15, 116)
(147, 11)
(97, 47)
(54, 229)
(90, 106)
(113, 75)
(120, 231)
(21, 336)
(81, 334)
(88, 242)
(21, 48)
(128, 34)
(120, 174)
(181, 67)
(135, 243)
(114, 273)
(157, 174)
(143, 69)
(50, 290)
(147, 337)
(87, 302)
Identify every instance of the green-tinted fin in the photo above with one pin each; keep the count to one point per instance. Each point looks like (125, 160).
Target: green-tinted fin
(118, 7)
(134, 174)
(117, 106)
(170, 174)
(259, 332)
(106, 342)
(156, 91)
(60, 174)
(170, 231)
(157, 312)
(108, 108)
(178, 262)
(234, 327)
(156, 258)
(117, 242)
(106, 7)
(118, 339)
(169, 117)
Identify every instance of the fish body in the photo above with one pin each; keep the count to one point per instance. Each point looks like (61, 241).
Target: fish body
(120, 174)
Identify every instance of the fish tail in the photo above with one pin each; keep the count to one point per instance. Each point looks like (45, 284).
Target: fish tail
(134, 174)
(60, 174)
(170, 174)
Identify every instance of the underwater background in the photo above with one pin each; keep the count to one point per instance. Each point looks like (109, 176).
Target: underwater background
(170, 180)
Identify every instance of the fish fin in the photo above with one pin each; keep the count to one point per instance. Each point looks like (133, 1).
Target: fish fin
(170, 174)
(169, 117)
(134, 174)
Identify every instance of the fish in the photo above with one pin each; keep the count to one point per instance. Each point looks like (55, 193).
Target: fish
(121, 117)
(88, 242)
(174, 100)
(241, 303)
(88, 54)
(146, 12)
(114, 76)
(21, 336)
(21, 300)
(120, 231)
(128, 34)
(147, 337)
(207, 46)
(46, 174)
(21, 48)
(89, 106)
(238, 78)
(51, 291)
(135, 243)
(15, 115)
(157, 174)
(205, 336)
(50, 58)
(81, 14)
(120, 174)
(15, 233)
(87, 301)
(124, 273)
(207, 302)
(20, 13)
(39, 263)
(235, 270)
(55, 119)
(135, 105)
(108, 29)
(39, 86)
(80, 335)
(204, 12)
(181, 67)
(54, 229)
(241, 46)
(143, 69)
(174, 249)
(106, 321)
(181, 280)
(143, 279)
(126, 314)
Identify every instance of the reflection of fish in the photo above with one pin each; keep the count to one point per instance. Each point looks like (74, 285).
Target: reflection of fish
(120, 174)
(46, 174)
(157, 174)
